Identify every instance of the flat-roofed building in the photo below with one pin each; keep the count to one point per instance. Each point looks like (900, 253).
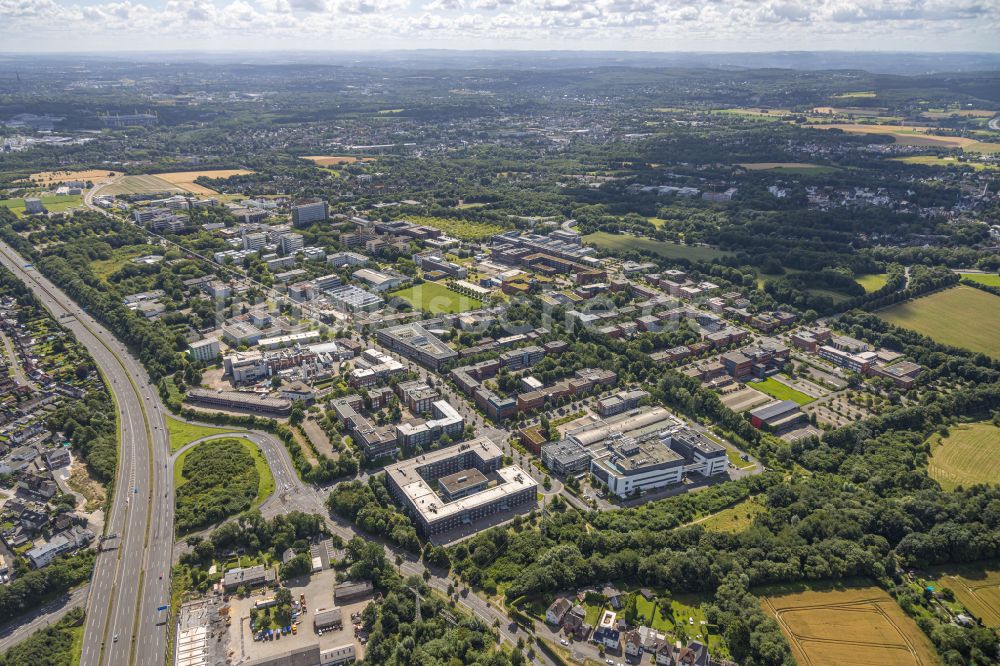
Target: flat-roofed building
(417, 343)
(777, 415)
(248, 577)
(328, 618)
(377, 280)
(460, 484)
(241, 400)
(308, 211)
(506, 488)
(205, 351)
(350, 590)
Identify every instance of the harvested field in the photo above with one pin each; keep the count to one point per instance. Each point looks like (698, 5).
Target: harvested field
(911, 135)
(49, 177)
(624, 242)
(327, 160)
(140, 185)
(854, 625)
(185, 179)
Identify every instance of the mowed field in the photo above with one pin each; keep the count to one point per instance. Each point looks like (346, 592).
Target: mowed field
(327, 160)
(936, 316)
(970, 454)
(847, 625)
(94, 175)
(976, 586)
(624, 242)
(176, 183)
(53, 203)
(872, 281)
(910, 135)
(436, 298)
(937, 160)
(989, 279)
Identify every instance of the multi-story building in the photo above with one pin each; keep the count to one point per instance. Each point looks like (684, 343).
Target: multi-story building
(290, 243)
(205, 351)
(446, 421)
(418, 344)
(308, 211)
(463, 498)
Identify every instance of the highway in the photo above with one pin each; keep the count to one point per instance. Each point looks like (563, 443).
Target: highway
(132, 574)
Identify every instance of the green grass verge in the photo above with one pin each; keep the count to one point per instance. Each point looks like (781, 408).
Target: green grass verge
(182, 434)
(625, 242)
(437, 298)
(777, 390)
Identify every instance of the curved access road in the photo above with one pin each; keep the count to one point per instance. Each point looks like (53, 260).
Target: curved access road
(132, 572)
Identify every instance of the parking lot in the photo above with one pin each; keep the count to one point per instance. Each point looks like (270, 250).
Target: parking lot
(318, 591)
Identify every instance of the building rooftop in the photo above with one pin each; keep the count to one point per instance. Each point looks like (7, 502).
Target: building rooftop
(460, 481)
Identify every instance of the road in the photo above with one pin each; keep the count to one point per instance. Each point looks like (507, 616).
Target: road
(14, 363)
(994, 124)
(19, 629)
(131, 575)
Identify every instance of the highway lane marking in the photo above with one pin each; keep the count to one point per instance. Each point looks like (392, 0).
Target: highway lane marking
(115, 505)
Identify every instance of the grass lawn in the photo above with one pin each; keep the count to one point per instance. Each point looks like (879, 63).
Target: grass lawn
(776, 389)
(105, 268)
(593, 613)
(872, 281)
(76, 651)
(935, 316)
(735, 519)
(625, 242)
(264, 487)
(970, 454)
(54, 203)
(461, 229)
(677, 624)
(989, 279)
(789, 168)
(182, 433)
(437, 298)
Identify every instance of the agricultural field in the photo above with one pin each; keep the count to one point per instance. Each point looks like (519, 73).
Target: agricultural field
(47, 178)
(735, 518)
(625, 242)
(328, 160)
(970, 454)
(910, 135)
(436, 298)
(858, 625)
(989, 279)
(977, 587)
(175, 183)
(791, 168)
(54, 203)
(935, 316)
(776, 389)
(185, 179)
(461, 229)
(872, 282)
(940, 161)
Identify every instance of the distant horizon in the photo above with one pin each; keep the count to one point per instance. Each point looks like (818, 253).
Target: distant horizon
(663, 26)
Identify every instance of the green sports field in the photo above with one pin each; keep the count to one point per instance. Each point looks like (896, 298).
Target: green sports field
(970, 454)
(625, 242)
(436, 298)
(936, 316)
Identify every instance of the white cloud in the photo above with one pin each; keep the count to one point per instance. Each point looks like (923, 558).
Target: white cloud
(581, 24)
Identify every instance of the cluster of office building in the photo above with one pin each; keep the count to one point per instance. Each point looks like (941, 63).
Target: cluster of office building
(636, 451)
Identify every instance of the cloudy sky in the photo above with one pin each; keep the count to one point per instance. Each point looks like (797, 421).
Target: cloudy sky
(650, 25)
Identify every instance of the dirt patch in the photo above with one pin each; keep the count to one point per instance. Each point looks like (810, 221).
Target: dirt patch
(318, 437)
(81, 482)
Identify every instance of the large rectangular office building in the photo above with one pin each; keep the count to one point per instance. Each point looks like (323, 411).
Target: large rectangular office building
(471, 485)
